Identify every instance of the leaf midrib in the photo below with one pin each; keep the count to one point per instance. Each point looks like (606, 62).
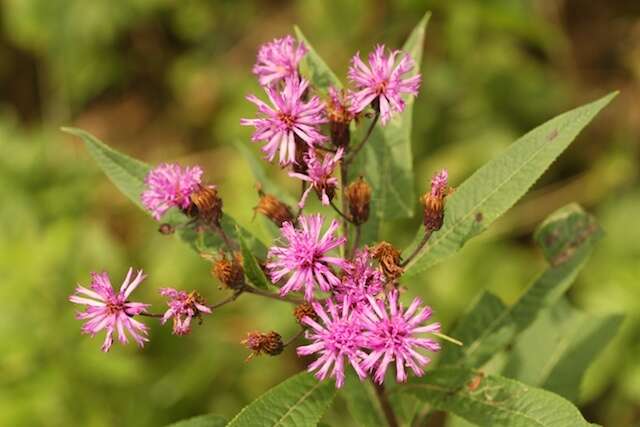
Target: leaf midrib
(295, 405)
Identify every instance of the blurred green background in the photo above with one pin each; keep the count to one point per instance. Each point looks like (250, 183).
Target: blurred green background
(165, 80)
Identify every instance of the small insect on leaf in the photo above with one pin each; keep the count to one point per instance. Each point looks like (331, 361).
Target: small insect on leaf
(552, 135)
(475, 382)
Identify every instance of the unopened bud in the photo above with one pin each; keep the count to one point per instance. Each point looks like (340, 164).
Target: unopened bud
(434, 200)
(166, 229)
(206, 205)
(339, 117)
(358, 193)
(268, 343)
(389, 259)
(274, 209)
(229, 273)
(304, 310)
(300, 165)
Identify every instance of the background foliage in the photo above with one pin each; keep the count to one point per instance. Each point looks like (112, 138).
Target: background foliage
(165, 80)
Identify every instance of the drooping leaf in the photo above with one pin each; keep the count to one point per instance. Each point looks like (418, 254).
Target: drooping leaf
(201, 421)
(128, 176)
(251, 266)
(498, 185)
(362, 403)
(299, 401)
(571, 340)
(386, 159)
(490, 327)
(492, 400)
(314, 68)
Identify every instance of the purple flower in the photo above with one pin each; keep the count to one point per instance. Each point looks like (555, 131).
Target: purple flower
(289, 119)
(393, 335)
(337, 334)
(168, 185)
(319, 175)
(183, 307)
(360, 281)
(278, 59)
(382, 81)
(439, 184)
(111, 311)
(305, 257)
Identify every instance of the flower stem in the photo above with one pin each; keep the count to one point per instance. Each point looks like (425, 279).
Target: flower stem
(418, 249)
(356, 239)
(271, 295)
(389, 414)
(337, 209)
(303, 188)
(358, 147)
(232, 298)
(295, 337)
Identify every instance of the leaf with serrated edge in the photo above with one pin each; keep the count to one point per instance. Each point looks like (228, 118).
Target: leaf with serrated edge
(490, 327)
(571, 340)
(492, 400)
(498, 185)
(300, 401)
(314, 68)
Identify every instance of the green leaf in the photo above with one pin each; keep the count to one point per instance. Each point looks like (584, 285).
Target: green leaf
(251, 266)
(257, 168)
(492, 400)
(490, 326)
(128, 175)
(299, 401)
(362, 402)
(386, 159)
(314, 68)
(571, 340)
(201, 421)
(498, 185)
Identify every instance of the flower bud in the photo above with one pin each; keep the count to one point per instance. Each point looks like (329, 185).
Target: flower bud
(389, 259)
(274, 209)
(433, 201)
(166, 229)
(304, 310)
(339, 117)
(358, 193)
(206, 205)
(268, 343)
(229, 273)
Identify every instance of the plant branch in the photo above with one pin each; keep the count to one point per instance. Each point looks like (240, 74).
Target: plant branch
(227, 241)
(337, 209)
(418, 248)
(271, 295)
(358, 147)
(386, 405)
(232, 298)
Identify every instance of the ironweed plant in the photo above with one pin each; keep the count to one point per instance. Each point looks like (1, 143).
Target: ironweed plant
(350, 146)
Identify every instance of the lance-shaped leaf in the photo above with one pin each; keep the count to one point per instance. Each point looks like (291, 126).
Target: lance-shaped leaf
(362, 402)
(314, 68)
(571, 340)
(128, 175)
(490, 326)
(386, 159)
(201, 421)
(492, 400)
(499, 184)
(299, 401)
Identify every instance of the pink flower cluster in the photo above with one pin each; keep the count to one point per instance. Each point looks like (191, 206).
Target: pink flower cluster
(167, 186)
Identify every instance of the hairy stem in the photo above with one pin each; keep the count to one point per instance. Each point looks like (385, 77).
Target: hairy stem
(358, 147)
(418, 249)
(389, 414)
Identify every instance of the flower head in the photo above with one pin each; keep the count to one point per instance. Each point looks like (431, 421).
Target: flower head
(358, 194)
(268, 343)
(319, 175)
(382, 81)
(393, 335)
(168, 185)
(289, 118)
(106, 309)
(305, 256)
(360, 281)
(278, 59)
(183, 307)
(434, 200)
(335, 336)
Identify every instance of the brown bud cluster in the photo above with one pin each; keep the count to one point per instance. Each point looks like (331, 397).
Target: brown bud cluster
(389, 259)
(268, 343)
(339, 118)
(434, 200)
(304, 310)
(277, 211)
(206, 205)
(358, 194)
(229, 273)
